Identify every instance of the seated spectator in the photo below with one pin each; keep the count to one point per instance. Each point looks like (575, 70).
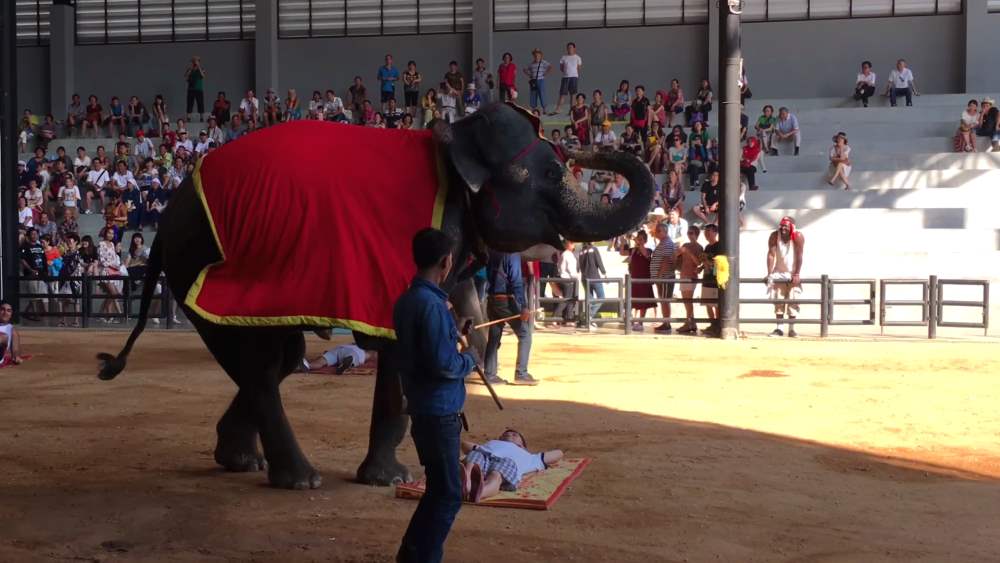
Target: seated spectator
(215, 133)
(677, 133)
(501, 465)
(25, 218)
(144, 147)
(765, 128)
(136, 115)
(989, 123)
(428, 105)
(901, 84)
(701, 106)
(570, 140)
(272, 108)
(657, 157)
(68, 226)
(116, 117)
(316, 106)
(123, 177)
(675, 101)
(235, 129)
(62, 156)
(617, 189)
(183, 141)
(75, 114)
(407, 124)
(631, 141)
(678, 154)
(711, 192)
(605, 139)
(393, 115)
(556, 137)
(697, 161)
(673, 192)
(45, 227)
(658, 111)
(122, 154)
(10, 338)
(333, 107)
(447, 102)
(965, 138)
(250, 109)
(471, 99)
(160, 116)
(46, 132)
(94, 116)
(864, 87)
(221, 109)
(293, 107)
(36, 199)
(378, 121)
(156, 202)
(69, 196)
(621, 102)
(787, 128)
(176, 174)
(840, 160)
(599, 113)
(204, 143)
(748, 164)
(97, 179)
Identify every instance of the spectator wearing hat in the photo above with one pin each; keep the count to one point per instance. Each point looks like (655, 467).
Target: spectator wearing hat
(471, 100)
(204, 143)
(605, 138)
(536, 71)
(840, 160)
(144, 147)
(569, 64)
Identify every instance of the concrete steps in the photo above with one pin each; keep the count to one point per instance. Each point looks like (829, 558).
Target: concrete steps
(876, 102)
(836, 220)
(878, 161)
(882, 179)
(836, 198)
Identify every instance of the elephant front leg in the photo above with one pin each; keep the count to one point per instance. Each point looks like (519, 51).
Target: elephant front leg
(388, 427)
(236, 448)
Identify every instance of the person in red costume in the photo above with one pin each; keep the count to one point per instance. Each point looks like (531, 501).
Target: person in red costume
(784, 262)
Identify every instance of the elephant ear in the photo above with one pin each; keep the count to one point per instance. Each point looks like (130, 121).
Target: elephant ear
(462, 142)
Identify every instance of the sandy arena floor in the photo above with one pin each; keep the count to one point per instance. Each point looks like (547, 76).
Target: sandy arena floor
(759, 450)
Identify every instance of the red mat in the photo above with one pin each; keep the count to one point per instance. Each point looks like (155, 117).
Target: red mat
(538, 491)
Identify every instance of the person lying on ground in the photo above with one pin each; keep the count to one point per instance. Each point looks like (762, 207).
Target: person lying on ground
(343, 357)
(501, 464)
(10, 339)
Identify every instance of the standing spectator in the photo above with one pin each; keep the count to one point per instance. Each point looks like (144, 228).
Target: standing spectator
(864, 87)
(75, 114)
(358, 96)
(221, 109)
(784, 262)
(749, 162)
(569, 269)
(677, 226)
(293, 107)
(581, 118)
(456, 82)
(505, 298)
(639, 257)
(432, 376)
(109, 263)
(195, 78)
(536, 72)
(709, 284)
(662, 267)
(621, 102)
(786, 128)
(599, 113)
(710, 194)
(701, 106)
(72, 267)
(250, 109)
(387, 77)
(33, 267)
(94, 116)
(483, 80)
(690, 261)
(411, 88)
(840, 160)
(744, 84)
(507, 74)
(160, 113)
(428, 104)
(901, 84)
(592, 268)
(675, 101)
(640, 113)
(765, 128)
(569, 64)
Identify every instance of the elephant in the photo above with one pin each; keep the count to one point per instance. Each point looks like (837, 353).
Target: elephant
(499, 161)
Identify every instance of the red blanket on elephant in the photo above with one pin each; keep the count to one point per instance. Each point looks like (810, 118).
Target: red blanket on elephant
(314, 222)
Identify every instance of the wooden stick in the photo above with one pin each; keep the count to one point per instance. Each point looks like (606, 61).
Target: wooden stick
(496, 322)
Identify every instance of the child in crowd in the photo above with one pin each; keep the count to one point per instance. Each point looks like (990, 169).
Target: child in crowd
(499, 465)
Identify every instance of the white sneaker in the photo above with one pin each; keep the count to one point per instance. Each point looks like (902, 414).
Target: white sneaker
(175, 320)
(592, 327)
(156, 321)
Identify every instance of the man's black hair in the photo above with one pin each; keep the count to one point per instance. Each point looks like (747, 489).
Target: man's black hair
(430, 246)
(712, 227)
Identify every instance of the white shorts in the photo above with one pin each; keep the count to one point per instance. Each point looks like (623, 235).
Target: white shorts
(784, 290)
(334, 356)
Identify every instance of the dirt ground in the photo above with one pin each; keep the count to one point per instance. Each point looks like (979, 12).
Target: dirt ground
(758, 450)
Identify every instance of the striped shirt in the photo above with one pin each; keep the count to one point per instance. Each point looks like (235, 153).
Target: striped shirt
(664, 253)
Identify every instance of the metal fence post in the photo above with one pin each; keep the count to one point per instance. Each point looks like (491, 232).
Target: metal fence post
(627, 315)
(825, 307)
(932, 312)
(881, 307)
(586, 301)
(166, 304)
(85, 306)
(986, 308)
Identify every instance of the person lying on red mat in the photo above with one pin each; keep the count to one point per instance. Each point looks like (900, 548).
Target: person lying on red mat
(499, 465)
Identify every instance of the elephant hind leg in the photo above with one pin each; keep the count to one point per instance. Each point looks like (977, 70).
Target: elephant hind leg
(388, 424)
(236, 448)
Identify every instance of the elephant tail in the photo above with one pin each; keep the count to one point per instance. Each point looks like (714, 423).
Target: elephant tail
(110, 365)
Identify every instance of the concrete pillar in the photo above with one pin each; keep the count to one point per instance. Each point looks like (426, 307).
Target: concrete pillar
(266, 47)
(61, 63)
(482, 34)
(713, 49)
(979, 47)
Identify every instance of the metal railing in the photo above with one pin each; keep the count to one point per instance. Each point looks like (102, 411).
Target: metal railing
(831, 308)
(76, 298)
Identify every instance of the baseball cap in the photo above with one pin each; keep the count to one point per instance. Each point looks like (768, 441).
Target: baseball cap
(22, 163)
(140, 133)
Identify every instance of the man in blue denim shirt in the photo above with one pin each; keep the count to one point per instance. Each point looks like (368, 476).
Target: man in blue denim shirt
(433, 377)
(505, 286)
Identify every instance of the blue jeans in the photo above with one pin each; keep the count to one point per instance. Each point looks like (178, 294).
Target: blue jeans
(438, 441)
(894, 92)
(538, 95)
(596, 289)
(498, 309)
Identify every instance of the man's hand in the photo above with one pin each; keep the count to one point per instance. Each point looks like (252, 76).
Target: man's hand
(525, 315)
(796, 280)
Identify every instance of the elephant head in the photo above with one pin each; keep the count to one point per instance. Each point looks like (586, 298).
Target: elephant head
(521, 191)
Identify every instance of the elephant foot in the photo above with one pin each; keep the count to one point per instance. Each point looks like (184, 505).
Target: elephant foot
(240, 461)
(298, 478)
(383, 472)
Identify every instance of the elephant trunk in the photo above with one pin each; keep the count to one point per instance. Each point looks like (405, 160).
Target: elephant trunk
(583, 220)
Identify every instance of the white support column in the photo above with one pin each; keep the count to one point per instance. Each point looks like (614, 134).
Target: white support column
(713, 47)
(61, 49)
(266, 47)
(482, 34)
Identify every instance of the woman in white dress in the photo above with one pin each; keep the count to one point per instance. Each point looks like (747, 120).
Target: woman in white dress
(840, 160)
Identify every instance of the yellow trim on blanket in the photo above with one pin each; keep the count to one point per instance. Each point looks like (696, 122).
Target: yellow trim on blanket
(191, 300)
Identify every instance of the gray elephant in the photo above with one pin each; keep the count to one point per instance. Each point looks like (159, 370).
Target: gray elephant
(510, 190)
